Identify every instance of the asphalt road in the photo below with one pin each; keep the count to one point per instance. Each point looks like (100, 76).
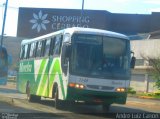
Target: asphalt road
(133, 105)
(11, 111)
(45, 109)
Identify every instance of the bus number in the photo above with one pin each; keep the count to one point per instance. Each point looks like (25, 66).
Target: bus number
(84, 80)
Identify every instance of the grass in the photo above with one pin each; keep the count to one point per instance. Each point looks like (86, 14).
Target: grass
(149, 95)
(154, 95)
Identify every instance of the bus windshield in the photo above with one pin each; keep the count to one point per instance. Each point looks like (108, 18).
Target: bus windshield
(99, 56)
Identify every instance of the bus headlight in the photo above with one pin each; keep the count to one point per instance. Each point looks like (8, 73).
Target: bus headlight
(120, 89)
(75, 85)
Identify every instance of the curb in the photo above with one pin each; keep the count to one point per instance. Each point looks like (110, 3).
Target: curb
(144, 97)
(148, 97)
(6, 99)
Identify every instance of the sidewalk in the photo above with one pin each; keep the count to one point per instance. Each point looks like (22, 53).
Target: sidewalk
(9, 92)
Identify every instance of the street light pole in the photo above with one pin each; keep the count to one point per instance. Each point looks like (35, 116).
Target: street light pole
(4, 20)
(82, 8)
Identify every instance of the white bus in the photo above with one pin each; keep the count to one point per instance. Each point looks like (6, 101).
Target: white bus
(76, 64)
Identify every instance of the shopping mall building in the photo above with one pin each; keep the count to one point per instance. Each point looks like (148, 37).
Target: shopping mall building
(56, 19)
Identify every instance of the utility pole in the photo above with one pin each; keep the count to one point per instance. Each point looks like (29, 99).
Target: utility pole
(4, 20)
(82, 8)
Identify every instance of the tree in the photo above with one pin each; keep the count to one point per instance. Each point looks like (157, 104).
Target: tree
(155, 70)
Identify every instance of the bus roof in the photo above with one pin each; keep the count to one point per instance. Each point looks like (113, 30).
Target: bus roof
(94, 31)
(78, 30)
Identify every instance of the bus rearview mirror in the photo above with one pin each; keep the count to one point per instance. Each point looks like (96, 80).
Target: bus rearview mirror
(133, 61)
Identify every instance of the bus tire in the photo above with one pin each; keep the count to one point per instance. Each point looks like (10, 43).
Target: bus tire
(28, 91)
(106, 107)
(58, 103)
(34, 98)
(30, 97)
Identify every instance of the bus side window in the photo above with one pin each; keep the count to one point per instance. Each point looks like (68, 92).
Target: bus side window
(52, 46)
(26, 52)
(32, 50)
(58, 43)
(22, 52)
(47, 47)
(39, 49)
(43, 48)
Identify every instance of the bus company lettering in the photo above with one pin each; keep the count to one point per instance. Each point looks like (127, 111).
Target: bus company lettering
(61, 22)
(25, 67)
(116, 83)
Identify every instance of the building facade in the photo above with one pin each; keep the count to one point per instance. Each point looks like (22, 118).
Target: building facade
(141, 79)
(33, 22)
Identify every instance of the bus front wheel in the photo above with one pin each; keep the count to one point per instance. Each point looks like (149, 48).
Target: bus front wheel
(58, 103)
(106, 107)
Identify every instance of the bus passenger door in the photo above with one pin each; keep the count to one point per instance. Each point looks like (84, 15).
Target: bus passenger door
(65, 58)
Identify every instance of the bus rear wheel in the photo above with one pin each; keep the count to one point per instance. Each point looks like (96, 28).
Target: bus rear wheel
(33, 98)
(30, 97)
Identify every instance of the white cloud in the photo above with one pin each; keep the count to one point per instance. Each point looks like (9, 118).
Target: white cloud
(157, 2)
(47, 3)
(123, 1)
(155, 10)
(120, 1)
(2, 1)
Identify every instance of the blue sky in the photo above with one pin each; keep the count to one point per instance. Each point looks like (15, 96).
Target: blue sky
(113, 6)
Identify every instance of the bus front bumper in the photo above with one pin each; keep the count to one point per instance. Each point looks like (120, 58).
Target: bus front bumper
(96, 96)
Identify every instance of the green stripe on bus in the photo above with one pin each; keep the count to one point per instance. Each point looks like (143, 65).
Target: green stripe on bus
(44, 81)
(56, 69)
(40, 74)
